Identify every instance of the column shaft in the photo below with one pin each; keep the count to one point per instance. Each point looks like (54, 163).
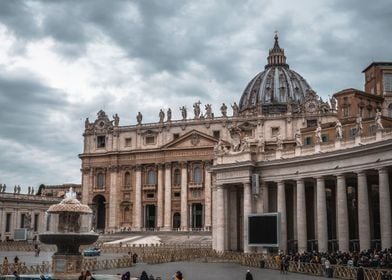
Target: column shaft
(160, 197)
(385, 208)
(283, 216)
(247, 210)
(342, 214)
(138, 199)
(220, 220)
(207, 199)
(363, 212)
(167, 221)
(301, 217)
(184, 197)
(322, 222)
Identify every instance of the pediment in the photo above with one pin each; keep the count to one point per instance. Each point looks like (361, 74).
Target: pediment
(192, 139)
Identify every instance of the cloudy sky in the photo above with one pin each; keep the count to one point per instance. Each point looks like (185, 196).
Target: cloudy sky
(63, 61)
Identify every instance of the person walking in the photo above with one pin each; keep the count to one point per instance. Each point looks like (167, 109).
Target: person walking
(248, 275)
(5, 266)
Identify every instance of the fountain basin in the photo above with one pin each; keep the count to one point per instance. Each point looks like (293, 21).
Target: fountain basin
(68, 244)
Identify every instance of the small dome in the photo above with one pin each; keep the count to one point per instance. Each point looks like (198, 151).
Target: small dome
(270, 91)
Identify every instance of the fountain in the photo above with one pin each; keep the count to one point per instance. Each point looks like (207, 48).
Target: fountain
(68, 227)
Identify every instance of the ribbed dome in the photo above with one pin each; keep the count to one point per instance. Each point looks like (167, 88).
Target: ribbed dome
(271, 89)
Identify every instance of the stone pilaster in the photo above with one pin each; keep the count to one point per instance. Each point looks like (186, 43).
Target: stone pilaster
(363, 212)
(342, 214)
(385, 208)
(322, 224)
(220, 220)
(207, 197)
(138, 199)
(113, 206)
(167, 220)
(301, 217)
(283, 216)
(87, 184)
(160, 196)
(184, 196)
(247, 211)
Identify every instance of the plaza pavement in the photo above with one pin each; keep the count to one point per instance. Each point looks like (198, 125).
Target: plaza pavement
(191, 270)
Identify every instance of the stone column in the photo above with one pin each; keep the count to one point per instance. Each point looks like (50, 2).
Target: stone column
(167, 221)
(160, 196)
(363, 212)
(184, 196)
(214, 204)
(385, 208)
(322, 222)
(138, 199)
(113, 211)
(301, 217)
(247, 211)
(283, 216)
(207, 197)
(220, 220)
(342, 214)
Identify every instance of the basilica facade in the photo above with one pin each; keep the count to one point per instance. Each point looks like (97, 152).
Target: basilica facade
(324, 165)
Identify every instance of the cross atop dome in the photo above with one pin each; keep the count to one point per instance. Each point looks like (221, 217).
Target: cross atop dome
(276, 54)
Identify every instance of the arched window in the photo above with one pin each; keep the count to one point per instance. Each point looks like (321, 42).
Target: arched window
(151, 177)
(177, 177)
(390, 110)
(197, 175)
(100, 181)
(127, 179)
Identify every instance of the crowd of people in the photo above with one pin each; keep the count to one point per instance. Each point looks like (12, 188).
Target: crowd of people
(368, 258)
(144, 276)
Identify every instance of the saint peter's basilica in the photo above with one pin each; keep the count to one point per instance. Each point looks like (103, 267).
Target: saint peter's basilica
(324, 165)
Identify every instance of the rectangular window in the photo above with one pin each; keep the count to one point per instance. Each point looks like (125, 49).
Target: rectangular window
(8, 222)
(387, 82)
(353, 132)
(150, 195)
(216, 134)
(308, 141)
(324, 138)
(101, 141)
(22, 220)
(274, 131)
(128, 142)
(36, 221)
(176, 136)
(150, 140)
(311, 123)
(177, 194)
(346, 111)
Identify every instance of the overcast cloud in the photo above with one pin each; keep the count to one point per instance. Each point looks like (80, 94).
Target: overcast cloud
(63, 61)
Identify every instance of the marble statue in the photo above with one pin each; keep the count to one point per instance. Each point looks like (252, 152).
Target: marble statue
(245, 144)
(378, 120)
(339, 130)
(319, 138)
(139, 118)
(161, 116)
(298, 138)
(183, 112)
(208, 111)
(223, 109)
(236, 109)
(169, 115)
(279, 142)
(116, 119)
(359, 126)
(196, 109)
(235, 133)
(261, 144)
(333, 102)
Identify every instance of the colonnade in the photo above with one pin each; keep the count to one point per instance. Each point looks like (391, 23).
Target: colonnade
(364, 180)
